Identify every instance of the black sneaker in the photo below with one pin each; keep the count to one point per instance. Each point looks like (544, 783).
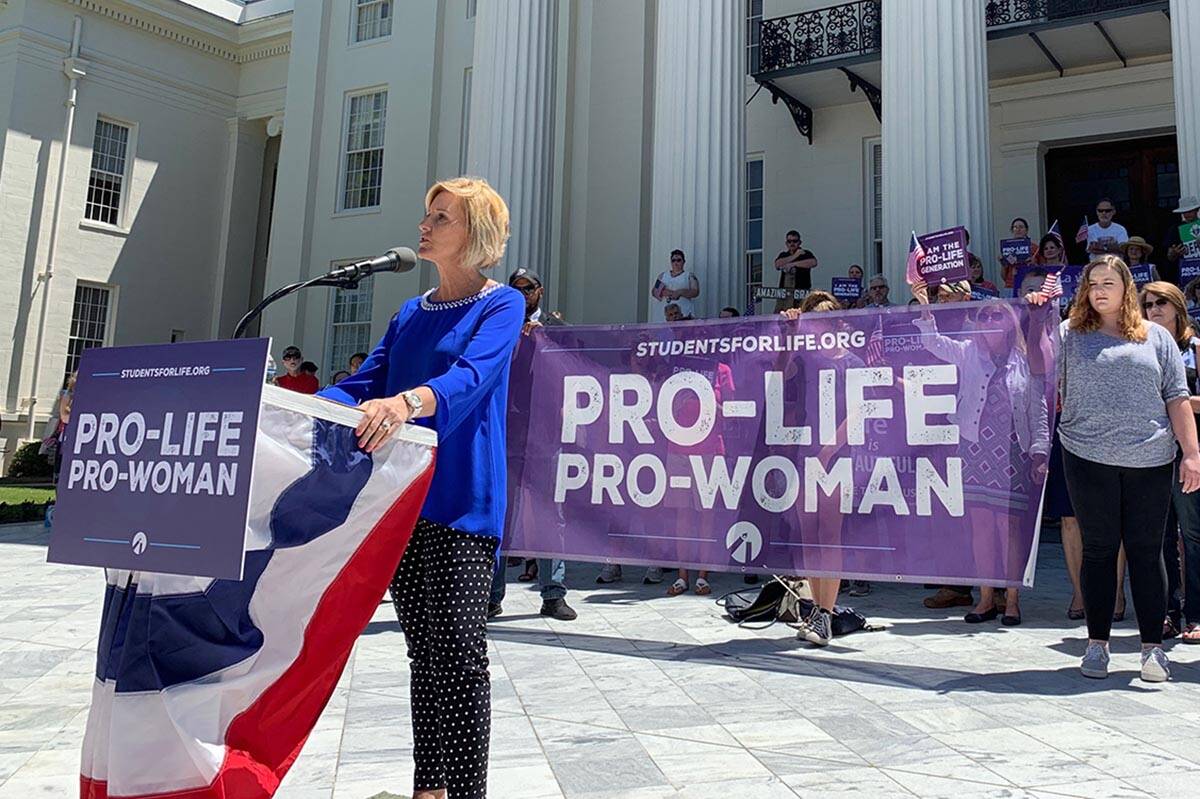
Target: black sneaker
(494, 609)
(558, 609)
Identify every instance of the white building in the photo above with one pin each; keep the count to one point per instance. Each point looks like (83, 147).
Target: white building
(222, 148)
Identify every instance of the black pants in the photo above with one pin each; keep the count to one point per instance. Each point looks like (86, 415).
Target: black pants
(441, 593)
(1118, 505)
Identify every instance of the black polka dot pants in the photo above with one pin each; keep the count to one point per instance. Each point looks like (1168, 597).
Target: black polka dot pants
(441, 593)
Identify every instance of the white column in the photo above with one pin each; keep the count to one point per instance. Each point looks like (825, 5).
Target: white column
(512, 121)
(699, 148)
(935, 127)
(1185, 62)
(239, 223)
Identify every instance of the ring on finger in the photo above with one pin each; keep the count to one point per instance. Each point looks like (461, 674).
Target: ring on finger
(386, 425)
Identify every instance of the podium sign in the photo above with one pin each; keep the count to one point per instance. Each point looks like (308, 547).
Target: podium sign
(158, 457)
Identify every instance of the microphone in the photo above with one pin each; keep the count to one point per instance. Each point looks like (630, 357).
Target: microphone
(397, 259)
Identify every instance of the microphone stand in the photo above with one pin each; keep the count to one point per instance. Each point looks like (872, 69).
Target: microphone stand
(320, 280)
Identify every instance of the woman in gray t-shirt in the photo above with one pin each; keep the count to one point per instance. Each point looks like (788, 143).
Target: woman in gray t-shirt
(1124, 406)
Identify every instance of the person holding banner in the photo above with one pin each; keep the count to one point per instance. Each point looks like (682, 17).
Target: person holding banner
(1001, 400)
(1163, 304)
(444, 363)
(1125, 408)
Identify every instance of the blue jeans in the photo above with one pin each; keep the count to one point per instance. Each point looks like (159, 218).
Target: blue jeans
(551, 577)
(1187, 509)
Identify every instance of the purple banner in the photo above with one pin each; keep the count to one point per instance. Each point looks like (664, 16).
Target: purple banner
(945, 258)
(898, 444)
(157, 458)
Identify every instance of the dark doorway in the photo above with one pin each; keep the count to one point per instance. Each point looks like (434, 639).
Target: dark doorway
(1140, 176)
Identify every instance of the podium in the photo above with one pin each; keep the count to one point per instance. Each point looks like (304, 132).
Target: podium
(213, 667)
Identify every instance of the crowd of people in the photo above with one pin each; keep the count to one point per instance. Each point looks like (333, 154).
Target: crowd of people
(1122, 468)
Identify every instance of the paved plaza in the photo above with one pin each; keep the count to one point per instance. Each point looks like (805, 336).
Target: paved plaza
(646, 696)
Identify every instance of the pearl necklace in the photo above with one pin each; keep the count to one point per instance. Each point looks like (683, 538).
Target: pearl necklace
(427, 305)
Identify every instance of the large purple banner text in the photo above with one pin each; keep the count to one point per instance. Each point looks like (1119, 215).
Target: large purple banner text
(900, 444)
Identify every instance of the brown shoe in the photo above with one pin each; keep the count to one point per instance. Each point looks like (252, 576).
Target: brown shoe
(945, 598)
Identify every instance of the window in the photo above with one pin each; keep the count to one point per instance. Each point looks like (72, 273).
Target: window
(349, 323)
(464, 140)
(874, 205)
(91, 320)
(107, 182)
(754, 224)
(754, 13)
(372, 19)
(363, 168)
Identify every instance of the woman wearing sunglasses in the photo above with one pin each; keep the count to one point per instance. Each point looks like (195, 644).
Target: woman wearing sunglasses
(1163, 304)
(1000, 399)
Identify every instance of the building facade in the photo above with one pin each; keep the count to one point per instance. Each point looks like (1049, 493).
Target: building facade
(219, 149)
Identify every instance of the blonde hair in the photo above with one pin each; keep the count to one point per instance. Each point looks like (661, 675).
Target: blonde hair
(1171, 293)
(486, 218)
(1083, 316)
(820, 302)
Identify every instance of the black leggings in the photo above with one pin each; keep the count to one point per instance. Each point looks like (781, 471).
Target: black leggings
(441, 593)
(1116, 505)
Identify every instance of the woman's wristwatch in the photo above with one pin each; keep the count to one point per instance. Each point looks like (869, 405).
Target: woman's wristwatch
(413, 401)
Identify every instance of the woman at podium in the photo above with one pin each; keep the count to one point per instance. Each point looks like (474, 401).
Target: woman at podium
(444, 363)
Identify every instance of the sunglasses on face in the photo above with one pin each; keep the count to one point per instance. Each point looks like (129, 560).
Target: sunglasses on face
(1160, 302)
(528, 288)
(676, 260)
(291, 357)
(990, 316)
(1106, 210)
(793, 241)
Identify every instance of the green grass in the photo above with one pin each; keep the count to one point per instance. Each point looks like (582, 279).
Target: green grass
(16, 494)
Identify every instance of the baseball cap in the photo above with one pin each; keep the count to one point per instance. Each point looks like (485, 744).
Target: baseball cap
(292, 351)
(527, 274)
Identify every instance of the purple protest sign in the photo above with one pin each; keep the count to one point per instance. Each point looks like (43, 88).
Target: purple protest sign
(1142, 274)
(945, 258)
(1189, 270)
(846, 289)
(1016, 251)
(158, 457)
(869, 444)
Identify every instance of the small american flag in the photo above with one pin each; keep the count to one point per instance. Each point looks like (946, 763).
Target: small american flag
(1082, 233)
(1051, 287)
(875, 344)
(916, 254)
(1055, 232)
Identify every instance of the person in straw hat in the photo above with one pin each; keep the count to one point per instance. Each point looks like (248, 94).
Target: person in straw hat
(1136, 251)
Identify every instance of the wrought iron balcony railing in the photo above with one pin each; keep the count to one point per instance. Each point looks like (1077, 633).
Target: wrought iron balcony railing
(844, 34)
(839, 33)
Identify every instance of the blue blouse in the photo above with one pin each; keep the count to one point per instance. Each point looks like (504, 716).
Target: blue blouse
(463, 352)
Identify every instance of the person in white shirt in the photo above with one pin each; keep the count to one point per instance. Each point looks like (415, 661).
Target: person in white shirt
(677, 285)
(1106, 236)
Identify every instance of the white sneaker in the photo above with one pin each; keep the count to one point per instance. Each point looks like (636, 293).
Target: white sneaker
(1155, 666)
(654, 576)
(1095, 661)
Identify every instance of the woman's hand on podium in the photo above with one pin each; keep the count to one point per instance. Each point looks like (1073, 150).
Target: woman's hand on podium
(381, 418)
